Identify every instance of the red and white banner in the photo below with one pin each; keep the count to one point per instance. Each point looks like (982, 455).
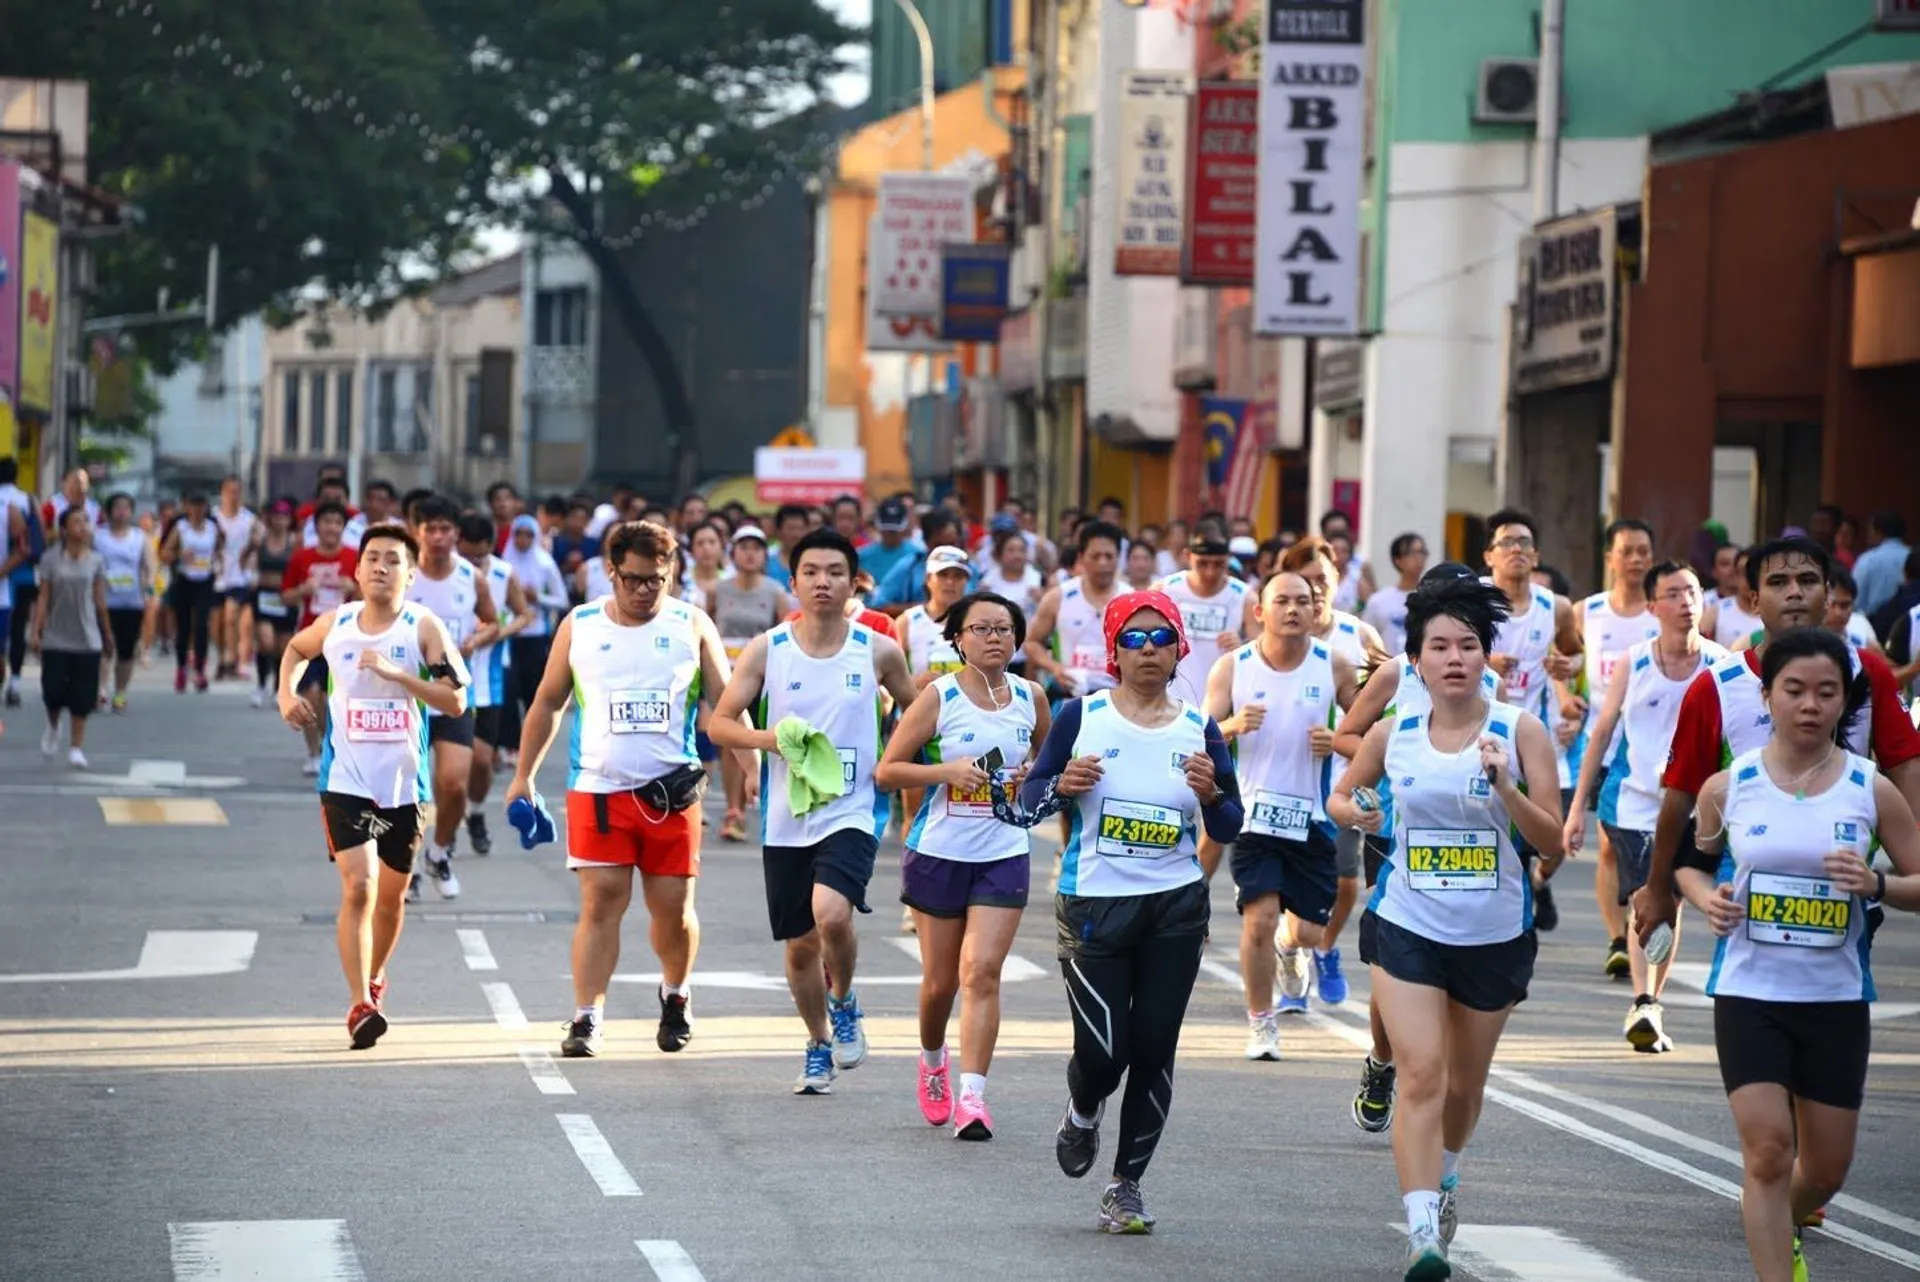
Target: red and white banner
(918, 213)
(1223, 185)
(808, 475)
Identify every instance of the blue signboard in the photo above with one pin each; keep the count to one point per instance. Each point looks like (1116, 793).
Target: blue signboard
(973, 292)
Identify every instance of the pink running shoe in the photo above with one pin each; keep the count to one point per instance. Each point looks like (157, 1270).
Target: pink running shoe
(936, 1093)
(971, 1121)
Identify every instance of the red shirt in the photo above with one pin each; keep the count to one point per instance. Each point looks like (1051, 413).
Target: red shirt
(332, 576)
(881, 623)
(1697, 751)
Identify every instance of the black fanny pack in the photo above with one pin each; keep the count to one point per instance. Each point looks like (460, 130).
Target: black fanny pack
(673, 793)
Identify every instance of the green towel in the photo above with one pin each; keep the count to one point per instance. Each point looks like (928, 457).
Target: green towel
(813, 765)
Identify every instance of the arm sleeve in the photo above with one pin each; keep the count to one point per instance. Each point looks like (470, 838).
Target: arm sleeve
(1224, 817)
(1053, 755)
(1694, 757)
(1895, 741)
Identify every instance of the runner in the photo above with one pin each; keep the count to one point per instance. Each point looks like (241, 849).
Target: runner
(1274, 701)
(964, 874)
(1356, 642)
(1218, 613)
(1732, 614)
(1611, 623)
(332, 488)
(233, 611)
(1793, 823)
(1642, 701)
(194, 548)
(126, 557)
(815, 686)
(1065, 641)
(1387, 608)
(744, 607)
(25, 540)
(709, 552)
(457, 595)
(1013, 575)
(1141, 770)
(319, 579)
(274, 617)
(491, 674)
(72, 633)
(921, 634)
(1394, 689)
(545, 588)
(634, 664)
(391, 662)
(1450, 925)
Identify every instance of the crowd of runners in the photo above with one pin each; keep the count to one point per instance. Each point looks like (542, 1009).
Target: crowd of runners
(1421, 743)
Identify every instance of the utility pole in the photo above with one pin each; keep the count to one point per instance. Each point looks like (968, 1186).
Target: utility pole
(1546, 128)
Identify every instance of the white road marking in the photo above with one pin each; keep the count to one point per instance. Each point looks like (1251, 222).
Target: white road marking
(158, 774)
(1694, 975)
(670, 1262)
(1516, 1253)
(752, 982)
(169, 954)
(545, 1073)
(506, 1007)
(908, 944)
(245, 1250)
(473, 947)
(1015, 970)
(591, 1147)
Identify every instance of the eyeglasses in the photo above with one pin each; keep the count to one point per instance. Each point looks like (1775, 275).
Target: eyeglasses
(640, 582)
(984, 630)
(1136, 638)
(1514, 543)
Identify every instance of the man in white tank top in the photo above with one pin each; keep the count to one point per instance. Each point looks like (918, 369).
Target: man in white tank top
(490, 671)
(454, 590)
(389, 663)
(1218, 613)
(820, 677)
(1731, 615)
(1066, 641)
(1612, 623)
(635, 665)
(1275, 699)
(1638, 711)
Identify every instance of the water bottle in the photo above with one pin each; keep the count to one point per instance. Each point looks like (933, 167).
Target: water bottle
(1660, 944)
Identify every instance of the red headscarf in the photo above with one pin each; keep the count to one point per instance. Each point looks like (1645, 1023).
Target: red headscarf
(1128, 604)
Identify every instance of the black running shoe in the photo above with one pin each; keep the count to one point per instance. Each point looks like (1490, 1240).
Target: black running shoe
(1373, 1104)
(676, 1022)
(1076, 1147)
(1546, 914)
(583, 1038)
(1618, 967)
(477, 834)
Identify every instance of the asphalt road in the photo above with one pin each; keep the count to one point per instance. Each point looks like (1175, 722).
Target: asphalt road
(157, 1123)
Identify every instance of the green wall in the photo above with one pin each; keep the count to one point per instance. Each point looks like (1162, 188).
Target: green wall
(960, 31)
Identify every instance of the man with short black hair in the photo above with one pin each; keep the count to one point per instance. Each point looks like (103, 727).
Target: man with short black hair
(790, 525)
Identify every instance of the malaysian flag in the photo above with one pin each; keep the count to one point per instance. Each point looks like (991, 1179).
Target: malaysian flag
(1241, 494)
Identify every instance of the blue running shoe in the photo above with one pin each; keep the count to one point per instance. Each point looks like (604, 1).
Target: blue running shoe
(1291, 1005)
(849, 1032)
(1329, 978)
(817, 1077)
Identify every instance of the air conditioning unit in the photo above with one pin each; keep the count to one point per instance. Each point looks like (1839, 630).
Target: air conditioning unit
(1507, 92)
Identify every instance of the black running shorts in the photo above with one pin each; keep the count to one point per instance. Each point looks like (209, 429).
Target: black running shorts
(354, 821)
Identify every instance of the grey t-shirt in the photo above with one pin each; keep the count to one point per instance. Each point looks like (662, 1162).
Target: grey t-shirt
(73, 621)
(742, 614)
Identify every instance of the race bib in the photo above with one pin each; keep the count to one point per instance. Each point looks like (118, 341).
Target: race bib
(970, 803)
(1442, 859)
(1090, 657)
(327, 599)
(849, 767)
(199, 563)
(122, 581)
(1137, 830)
(1800, 912)
(379, 720)
(637, 712)
(1514, 688)
(270, 604)
(1608, 662)
(1278, 815)
(942, 659)
(1204, 622)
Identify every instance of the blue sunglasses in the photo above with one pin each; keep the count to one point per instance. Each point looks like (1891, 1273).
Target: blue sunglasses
(1134, 638)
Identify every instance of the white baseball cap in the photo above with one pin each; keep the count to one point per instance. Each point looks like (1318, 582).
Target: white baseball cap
(748, 532)
(947, 558)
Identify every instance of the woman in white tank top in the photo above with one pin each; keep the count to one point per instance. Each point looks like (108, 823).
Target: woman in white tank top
(1792, 825)
(1449, 929)
(965, 873)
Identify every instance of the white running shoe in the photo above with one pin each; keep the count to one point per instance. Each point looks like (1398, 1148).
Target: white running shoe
(440, 871)
(1263, 1038)
(77, 759)
(1293, 977)
(50, 742)
(259, 699)
(311, 766)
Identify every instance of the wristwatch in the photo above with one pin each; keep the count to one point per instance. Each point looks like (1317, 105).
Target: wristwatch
(1881, 892)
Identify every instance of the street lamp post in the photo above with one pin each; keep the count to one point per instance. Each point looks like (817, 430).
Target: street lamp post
(925, 38)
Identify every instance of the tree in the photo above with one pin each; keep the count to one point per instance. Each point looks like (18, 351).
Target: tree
(655, 106)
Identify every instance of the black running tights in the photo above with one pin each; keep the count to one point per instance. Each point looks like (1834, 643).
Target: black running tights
(23, 599)
(193, 602)
(1127, 1011)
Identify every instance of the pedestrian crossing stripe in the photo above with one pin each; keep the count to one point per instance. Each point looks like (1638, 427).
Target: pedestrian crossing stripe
(184, 812)
(285, 1250)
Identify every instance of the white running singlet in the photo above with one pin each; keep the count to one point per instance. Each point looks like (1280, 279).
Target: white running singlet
(1204, 618)
(1803, 939)
(489, 662)
(1528, 637)
(1745, 723)
(454, 598)
(840, 697)
(1387, 612)
(635, 693)
(1136, 831)
(238, 530)
(1731, 624)
(196, 550)
(1630, 793)
(120, 554)
(928, 649)
(1454, 876)
(376, 745)
(1282, 784)
(1080, 638)
(961, 825)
